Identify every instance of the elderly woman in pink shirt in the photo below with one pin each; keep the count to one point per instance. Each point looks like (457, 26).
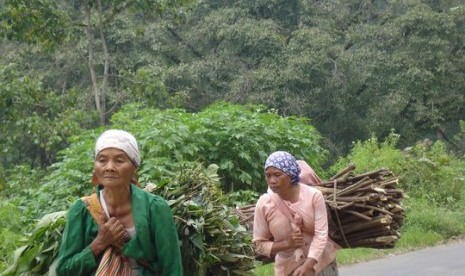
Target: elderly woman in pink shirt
(291, 222)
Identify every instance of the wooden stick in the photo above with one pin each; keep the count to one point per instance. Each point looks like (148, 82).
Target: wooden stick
(378, 240)
(365, 181)
(349, 228)
(375, 208)
(357, 214)
(372, 173)
(347, 169)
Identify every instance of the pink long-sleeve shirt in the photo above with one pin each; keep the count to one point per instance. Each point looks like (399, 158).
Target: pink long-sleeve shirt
(269, 223)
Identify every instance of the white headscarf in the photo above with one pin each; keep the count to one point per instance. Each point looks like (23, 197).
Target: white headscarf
(119, 139)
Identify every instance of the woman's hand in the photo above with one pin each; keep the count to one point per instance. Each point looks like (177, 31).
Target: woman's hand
(302, 272)
(296, 240)
(306, 269)
(111, 233)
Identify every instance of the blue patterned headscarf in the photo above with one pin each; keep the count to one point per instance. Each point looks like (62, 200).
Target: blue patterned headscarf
(284, 161)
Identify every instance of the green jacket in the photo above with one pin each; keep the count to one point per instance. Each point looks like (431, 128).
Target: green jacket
(156, 239)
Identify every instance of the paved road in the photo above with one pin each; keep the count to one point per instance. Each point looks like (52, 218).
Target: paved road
(443, 260)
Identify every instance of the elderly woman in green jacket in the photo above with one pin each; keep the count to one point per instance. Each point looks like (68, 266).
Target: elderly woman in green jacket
(121, 229)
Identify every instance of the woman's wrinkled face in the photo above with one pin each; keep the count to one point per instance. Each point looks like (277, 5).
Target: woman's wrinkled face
(113, 168)
(277, 180)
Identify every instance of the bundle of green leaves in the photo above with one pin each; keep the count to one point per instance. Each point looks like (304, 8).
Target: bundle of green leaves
(213, 241)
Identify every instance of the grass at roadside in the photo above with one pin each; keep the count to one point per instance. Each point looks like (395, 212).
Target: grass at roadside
(425, 225)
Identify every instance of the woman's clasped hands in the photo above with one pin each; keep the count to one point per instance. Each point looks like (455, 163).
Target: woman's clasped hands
(111, 233)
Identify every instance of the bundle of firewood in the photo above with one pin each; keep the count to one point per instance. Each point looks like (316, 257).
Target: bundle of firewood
(365, 210)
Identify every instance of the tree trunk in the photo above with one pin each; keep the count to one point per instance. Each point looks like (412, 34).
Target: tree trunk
(90, 63)
(106, 60)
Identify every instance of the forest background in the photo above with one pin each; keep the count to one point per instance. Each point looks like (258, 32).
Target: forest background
(379, 83)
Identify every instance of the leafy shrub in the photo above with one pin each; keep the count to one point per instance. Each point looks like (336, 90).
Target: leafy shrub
(427, 169)
(20, 179)
(20, 187)
(9, 241)
(373, 154)
(236, 138)
(433, 173)
(10, 228)
(66, 181)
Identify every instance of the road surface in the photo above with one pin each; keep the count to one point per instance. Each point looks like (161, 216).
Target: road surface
(442, 260)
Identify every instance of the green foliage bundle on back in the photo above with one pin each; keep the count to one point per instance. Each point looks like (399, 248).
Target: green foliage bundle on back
(213, 241)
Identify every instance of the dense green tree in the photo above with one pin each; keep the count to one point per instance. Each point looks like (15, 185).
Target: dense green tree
(354, 67)
(407, 71)
(90, 25)
(35, 122)
(79, 65)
